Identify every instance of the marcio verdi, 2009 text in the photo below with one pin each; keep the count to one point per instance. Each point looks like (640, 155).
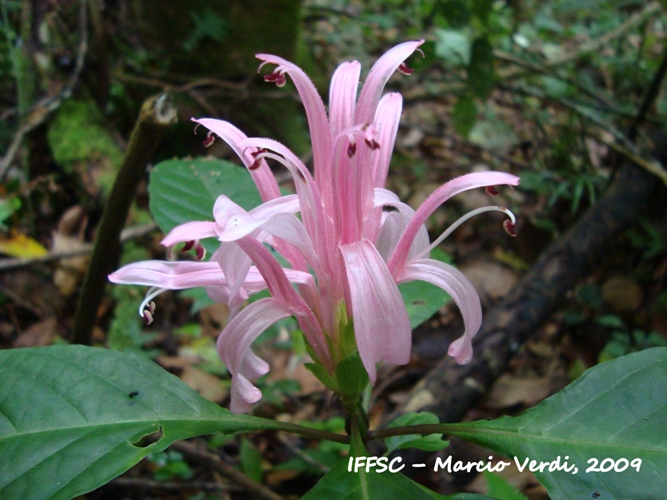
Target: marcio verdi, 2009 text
(384, 464)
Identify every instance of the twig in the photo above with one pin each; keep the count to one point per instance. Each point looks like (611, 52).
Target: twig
(203, 457)
(302, 455)
(544, 70)
(155, 117)
(240, 91)
(650, 96)
(127, 234)
(17, 299)
(48, 105)
(635, 20)
(651, 166)
(626, 146)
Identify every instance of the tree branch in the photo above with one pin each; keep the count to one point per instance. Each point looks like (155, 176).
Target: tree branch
(155, 117)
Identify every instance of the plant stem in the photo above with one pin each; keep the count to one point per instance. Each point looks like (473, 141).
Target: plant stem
(155, 117)
(406, 430)
(308, 432)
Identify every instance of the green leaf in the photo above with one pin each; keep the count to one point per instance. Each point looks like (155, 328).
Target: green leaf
(351, 376)
(501, 489)
(7, 208)
(251, 460)
(186, 190)
(73, 417)
(432, 442)
(422, 300)
(493, 133)
(481, 71)
(453, 46)
(322, 375)
(614, 414)
(339, 484)
(464, 115)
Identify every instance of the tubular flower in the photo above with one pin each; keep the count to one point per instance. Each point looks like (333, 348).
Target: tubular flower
(352, 244)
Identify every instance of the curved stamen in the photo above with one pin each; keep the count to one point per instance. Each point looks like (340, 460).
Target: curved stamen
(293, 169)
(508, 225)
(147, 306)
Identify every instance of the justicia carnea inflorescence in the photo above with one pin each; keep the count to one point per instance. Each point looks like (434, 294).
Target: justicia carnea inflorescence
(353, 243)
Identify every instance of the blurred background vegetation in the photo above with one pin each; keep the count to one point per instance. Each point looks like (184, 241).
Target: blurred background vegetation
(559, 92)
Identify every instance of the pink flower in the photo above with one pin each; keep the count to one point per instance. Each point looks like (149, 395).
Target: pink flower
(353, 244)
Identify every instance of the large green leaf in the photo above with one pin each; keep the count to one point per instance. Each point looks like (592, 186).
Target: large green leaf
(69, 416)
(185, 190)
(339, 484)
(615, 413)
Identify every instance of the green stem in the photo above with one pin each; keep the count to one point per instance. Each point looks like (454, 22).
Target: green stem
(407, 430)
(305, 431)
(357, 447)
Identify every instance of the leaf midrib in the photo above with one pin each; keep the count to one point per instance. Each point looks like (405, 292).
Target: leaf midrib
(544, 439)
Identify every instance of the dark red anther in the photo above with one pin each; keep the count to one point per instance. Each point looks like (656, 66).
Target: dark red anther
(257, 161)
(277, 78)
(492, 191)
(372, 143)
(148, 316)
(351, 149)
(188, 245)
(200, 251)
(210, 139)
(510, 228)
(403, 68)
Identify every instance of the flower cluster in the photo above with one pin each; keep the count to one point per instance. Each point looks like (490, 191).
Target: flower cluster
(351, 245)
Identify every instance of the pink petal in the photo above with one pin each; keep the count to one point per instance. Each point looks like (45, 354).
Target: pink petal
(253, 366)
(261, 174)
(235, 264)
(281, 289)
(353, 191)
(387, 118)
(438, 197)
(312, 102)
(234, 344)
(189, 274)
(244, 395)
(377, 78)
(343, 96)
(171, 275)
(318, 226)
(189, 231)
(395, 217)
(245, 327)
(288, 204)
(381, 324)
(461, 290)
(233, 222)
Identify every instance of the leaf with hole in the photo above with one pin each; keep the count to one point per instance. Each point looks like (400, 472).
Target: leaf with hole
(74, 417)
